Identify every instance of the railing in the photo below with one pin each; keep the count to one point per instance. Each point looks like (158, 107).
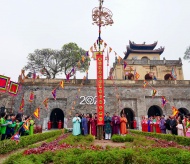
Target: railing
(54, 82)
(153, 62)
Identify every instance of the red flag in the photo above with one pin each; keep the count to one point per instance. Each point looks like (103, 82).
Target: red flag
(45, 102)
(31, 96)
(22, 104)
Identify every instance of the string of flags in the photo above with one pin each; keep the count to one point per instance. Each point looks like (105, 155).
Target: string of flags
(164, 101)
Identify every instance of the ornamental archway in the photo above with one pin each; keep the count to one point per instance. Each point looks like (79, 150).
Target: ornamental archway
(56, 116)
(154, 111)
(129, 113)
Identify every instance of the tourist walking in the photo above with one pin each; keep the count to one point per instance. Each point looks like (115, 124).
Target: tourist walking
(76, 125)
(107, 126)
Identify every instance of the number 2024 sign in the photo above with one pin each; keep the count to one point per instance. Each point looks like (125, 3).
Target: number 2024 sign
(90, 100)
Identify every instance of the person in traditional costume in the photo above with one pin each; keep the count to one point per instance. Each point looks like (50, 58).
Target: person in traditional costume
(154, 124)
(3, 125)
(92, 126)
(31, 126)
(180, 130)
(107, 126)
(173, 125)
(188, 128)
(162, 125)
(88, 118)
(168, 128)
(96, 121)
(80, 115)
(76, 125)
(123, 122)
(115, 124)
(84, 125)
(149, 124)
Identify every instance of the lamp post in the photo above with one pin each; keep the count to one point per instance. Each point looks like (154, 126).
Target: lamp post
(101, 16)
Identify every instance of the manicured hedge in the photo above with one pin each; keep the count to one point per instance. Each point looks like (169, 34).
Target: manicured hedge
(115, 155)
(9, 145)
(179, 139)
(118, 138)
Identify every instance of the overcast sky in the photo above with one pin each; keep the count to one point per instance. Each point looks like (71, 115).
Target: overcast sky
(37, 24)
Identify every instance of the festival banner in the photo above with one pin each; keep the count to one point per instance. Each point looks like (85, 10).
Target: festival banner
(100, 89)
(13, 88)
(4, 81)
(164, 101)
(154, 91)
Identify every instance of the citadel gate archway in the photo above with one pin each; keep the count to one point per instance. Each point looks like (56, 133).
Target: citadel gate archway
(129, 113)
(154, 111)
(56, 116)
(183, 111)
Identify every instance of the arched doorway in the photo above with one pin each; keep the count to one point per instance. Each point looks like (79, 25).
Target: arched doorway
(183, 111)
(56, 115)
(130, 116)
(155, 111)
(168, 76)
(148, 77)
(130, 76)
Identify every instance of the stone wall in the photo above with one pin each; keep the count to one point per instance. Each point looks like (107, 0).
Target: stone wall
(132, 95)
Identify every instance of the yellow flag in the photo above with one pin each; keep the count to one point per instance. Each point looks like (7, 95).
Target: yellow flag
(62, 84)
(37, 113)
(26, 125)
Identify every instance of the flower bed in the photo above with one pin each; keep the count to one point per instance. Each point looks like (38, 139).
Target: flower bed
(9, 145)
(116, 156)
(179, 139)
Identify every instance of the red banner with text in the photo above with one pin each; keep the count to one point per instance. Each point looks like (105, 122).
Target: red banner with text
(100, 89)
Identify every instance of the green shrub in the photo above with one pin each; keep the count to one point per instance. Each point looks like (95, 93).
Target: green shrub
(115, 155)
(75, 140)
(118, 138)
(179, 139)
(9, 145)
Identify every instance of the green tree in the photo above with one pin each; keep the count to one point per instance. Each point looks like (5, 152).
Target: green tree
(51, 62)
(187, 54)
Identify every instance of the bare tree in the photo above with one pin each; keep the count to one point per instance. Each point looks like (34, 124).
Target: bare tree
(54, 62)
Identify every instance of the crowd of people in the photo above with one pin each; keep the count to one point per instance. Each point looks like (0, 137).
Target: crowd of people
(11, 124)
(179, 125)
(87, 124)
